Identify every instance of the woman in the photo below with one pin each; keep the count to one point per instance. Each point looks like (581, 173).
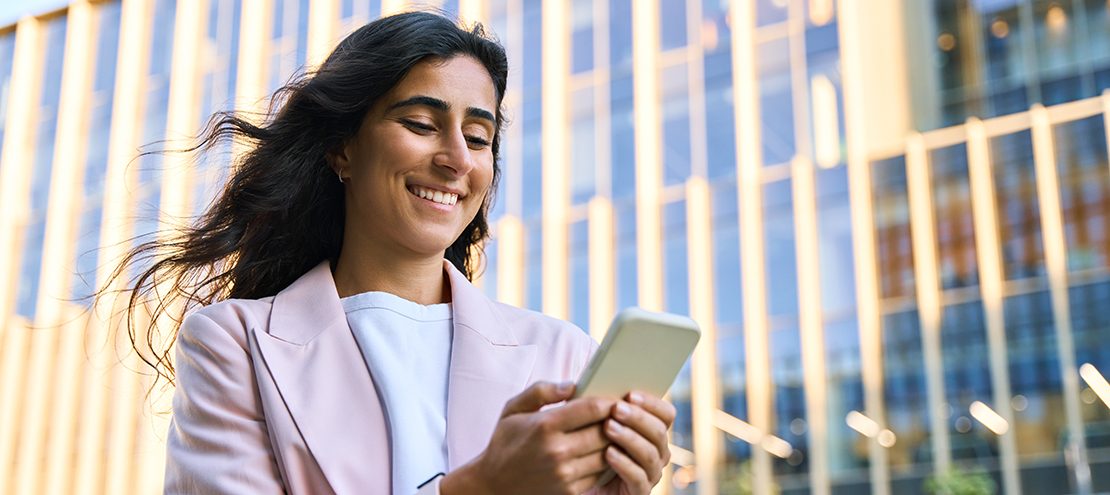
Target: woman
(341, 347)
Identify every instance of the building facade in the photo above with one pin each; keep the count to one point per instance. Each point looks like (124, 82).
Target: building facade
(889, 218)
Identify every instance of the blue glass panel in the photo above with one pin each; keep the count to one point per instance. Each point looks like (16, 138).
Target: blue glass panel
(952, 212)
(628, 288)
(490, 274)
(7, 51)
(533, 47)
(845, 394)
(580, 274)
(676, 125)
(776, 102)
(770, 12)
(533, 249)
(891, 216)
(622, 139)
(676, 282)
(620, 35)
(1018, 207)
(967, 378)
(789, 400)
(583, 165)
(161, 51)
(302, 33)
(532, 169)
(582, 37)
(55, 33)
(1034, 369)
(781, 265)
(834, 241)
(88, 242)
(904, 391)
(672, 24)
(727, 288)
(1084, 178)
(30, 269)
(720, 127)
(107, 45)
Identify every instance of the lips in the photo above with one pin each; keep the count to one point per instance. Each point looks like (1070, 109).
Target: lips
(441, 197)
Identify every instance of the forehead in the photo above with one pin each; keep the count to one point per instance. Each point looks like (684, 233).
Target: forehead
(461, 81)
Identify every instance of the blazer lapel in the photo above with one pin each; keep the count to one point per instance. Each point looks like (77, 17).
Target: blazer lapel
(488, 367)
(322, 377)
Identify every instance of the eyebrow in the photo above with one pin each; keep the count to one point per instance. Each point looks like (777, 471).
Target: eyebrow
(441, 105)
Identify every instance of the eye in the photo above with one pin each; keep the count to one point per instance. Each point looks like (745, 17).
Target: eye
(418, 127)
(477, 143)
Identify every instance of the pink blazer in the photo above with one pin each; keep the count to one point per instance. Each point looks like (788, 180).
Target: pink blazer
(274, 396)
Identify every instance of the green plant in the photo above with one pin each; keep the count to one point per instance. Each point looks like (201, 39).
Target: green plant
(957, 481)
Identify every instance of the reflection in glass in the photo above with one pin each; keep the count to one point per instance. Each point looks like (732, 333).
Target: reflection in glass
(891, 211)
(955, 233)
(1084, 192)
(579, 265)
(1017, 206)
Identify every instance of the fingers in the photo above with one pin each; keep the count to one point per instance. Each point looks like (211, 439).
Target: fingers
(643, 452)
(657, 407)
(644, 424)
(631, 473)
(579, 413)
(536, 396)
(585, 471)
(587, 440)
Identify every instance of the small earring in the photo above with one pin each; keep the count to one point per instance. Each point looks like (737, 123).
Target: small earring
(340, 176)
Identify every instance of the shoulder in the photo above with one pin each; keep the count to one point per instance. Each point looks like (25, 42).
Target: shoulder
(232, 318)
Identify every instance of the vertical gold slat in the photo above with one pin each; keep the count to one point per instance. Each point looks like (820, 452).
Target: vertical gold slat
(602, 253)
(927, 280)
(123, 406)
(20, 129)
(390, 7)
(55, 351)
(323, 27)
(471, 11)
(649, 167)
(1056, 264)
(705, 395)
(556, 194)
(863, 234)
(510, 261)
(989, 256)
(749, 165)
(99, 414)
(811, 317)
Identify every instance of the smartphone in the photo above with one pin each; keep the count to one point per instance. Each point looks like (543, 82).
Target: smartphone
(641, 351)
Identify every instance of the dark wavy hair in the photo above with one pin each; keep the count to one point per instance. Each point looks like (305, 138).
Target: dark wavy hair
(281, 211)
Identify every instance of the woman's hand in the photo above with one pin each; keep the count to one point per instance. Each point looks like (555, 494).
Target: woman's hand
(638, 430)
(555, 451)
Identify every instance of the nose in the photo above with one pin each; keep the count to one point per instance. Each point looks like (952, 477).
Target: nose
(454, 155)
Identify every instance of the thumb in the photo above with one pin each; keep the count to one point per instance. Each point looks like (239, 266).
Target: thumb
(536, 396)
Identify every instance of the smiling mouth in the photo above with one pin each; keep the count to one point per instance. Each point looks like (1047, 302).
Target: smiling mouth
(443, 198)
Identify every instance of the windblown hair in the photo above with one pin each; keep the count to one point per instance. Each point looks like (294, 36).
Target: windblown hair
(281, 211)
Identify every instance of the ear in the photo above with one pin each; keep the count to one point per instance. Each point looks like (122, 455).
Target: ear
(339, 159)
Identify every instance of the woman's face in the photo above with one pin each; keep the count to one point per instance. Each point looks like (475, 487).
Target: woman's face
(419, 168)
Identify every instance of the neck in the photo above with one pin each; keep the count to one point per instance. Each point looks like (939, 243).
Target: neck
(420, 280)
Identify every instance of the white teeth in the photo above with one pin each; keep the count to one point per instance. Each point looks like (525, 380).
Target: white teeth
(436, 196)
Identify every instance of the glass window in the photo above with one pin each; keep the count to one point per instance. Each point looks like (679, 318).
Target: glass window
(1034, 377)
(620, 36)
(788, 391)
(676, 125)
(834, 242)
(622, 142)
(844, 386)
(533, 265)
(720, 126)
(904, 392)
(770, 12)
(955, 229)
(967, 378)
(579, 265)
(628, 288)
(96, 160)
(781, 261)
(1017, 206)
(7, 53)
(776, 101)
(583, 165)
(1081, 163)
(676, 283)
(582, 36)
(1091, 330)
(54, 33)
(672, 24)
(726, 254)
(891, 216)
(490, 272)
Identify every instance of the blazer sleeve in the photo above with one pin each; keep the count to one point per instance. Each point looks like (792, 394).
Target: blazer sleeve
(218, 441)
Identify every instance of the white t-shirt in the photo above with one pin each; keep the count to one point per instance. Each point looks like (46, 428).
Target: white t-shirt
(407, 347)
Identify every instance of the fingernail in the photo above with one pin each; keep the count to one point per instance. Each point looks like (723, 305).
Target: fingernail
(565, 387)
(635, 398)
(622, 409)
(614, 426)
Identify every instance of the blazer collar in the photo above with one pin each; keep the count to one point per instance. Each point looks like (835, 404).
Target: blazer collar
(323, 379)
